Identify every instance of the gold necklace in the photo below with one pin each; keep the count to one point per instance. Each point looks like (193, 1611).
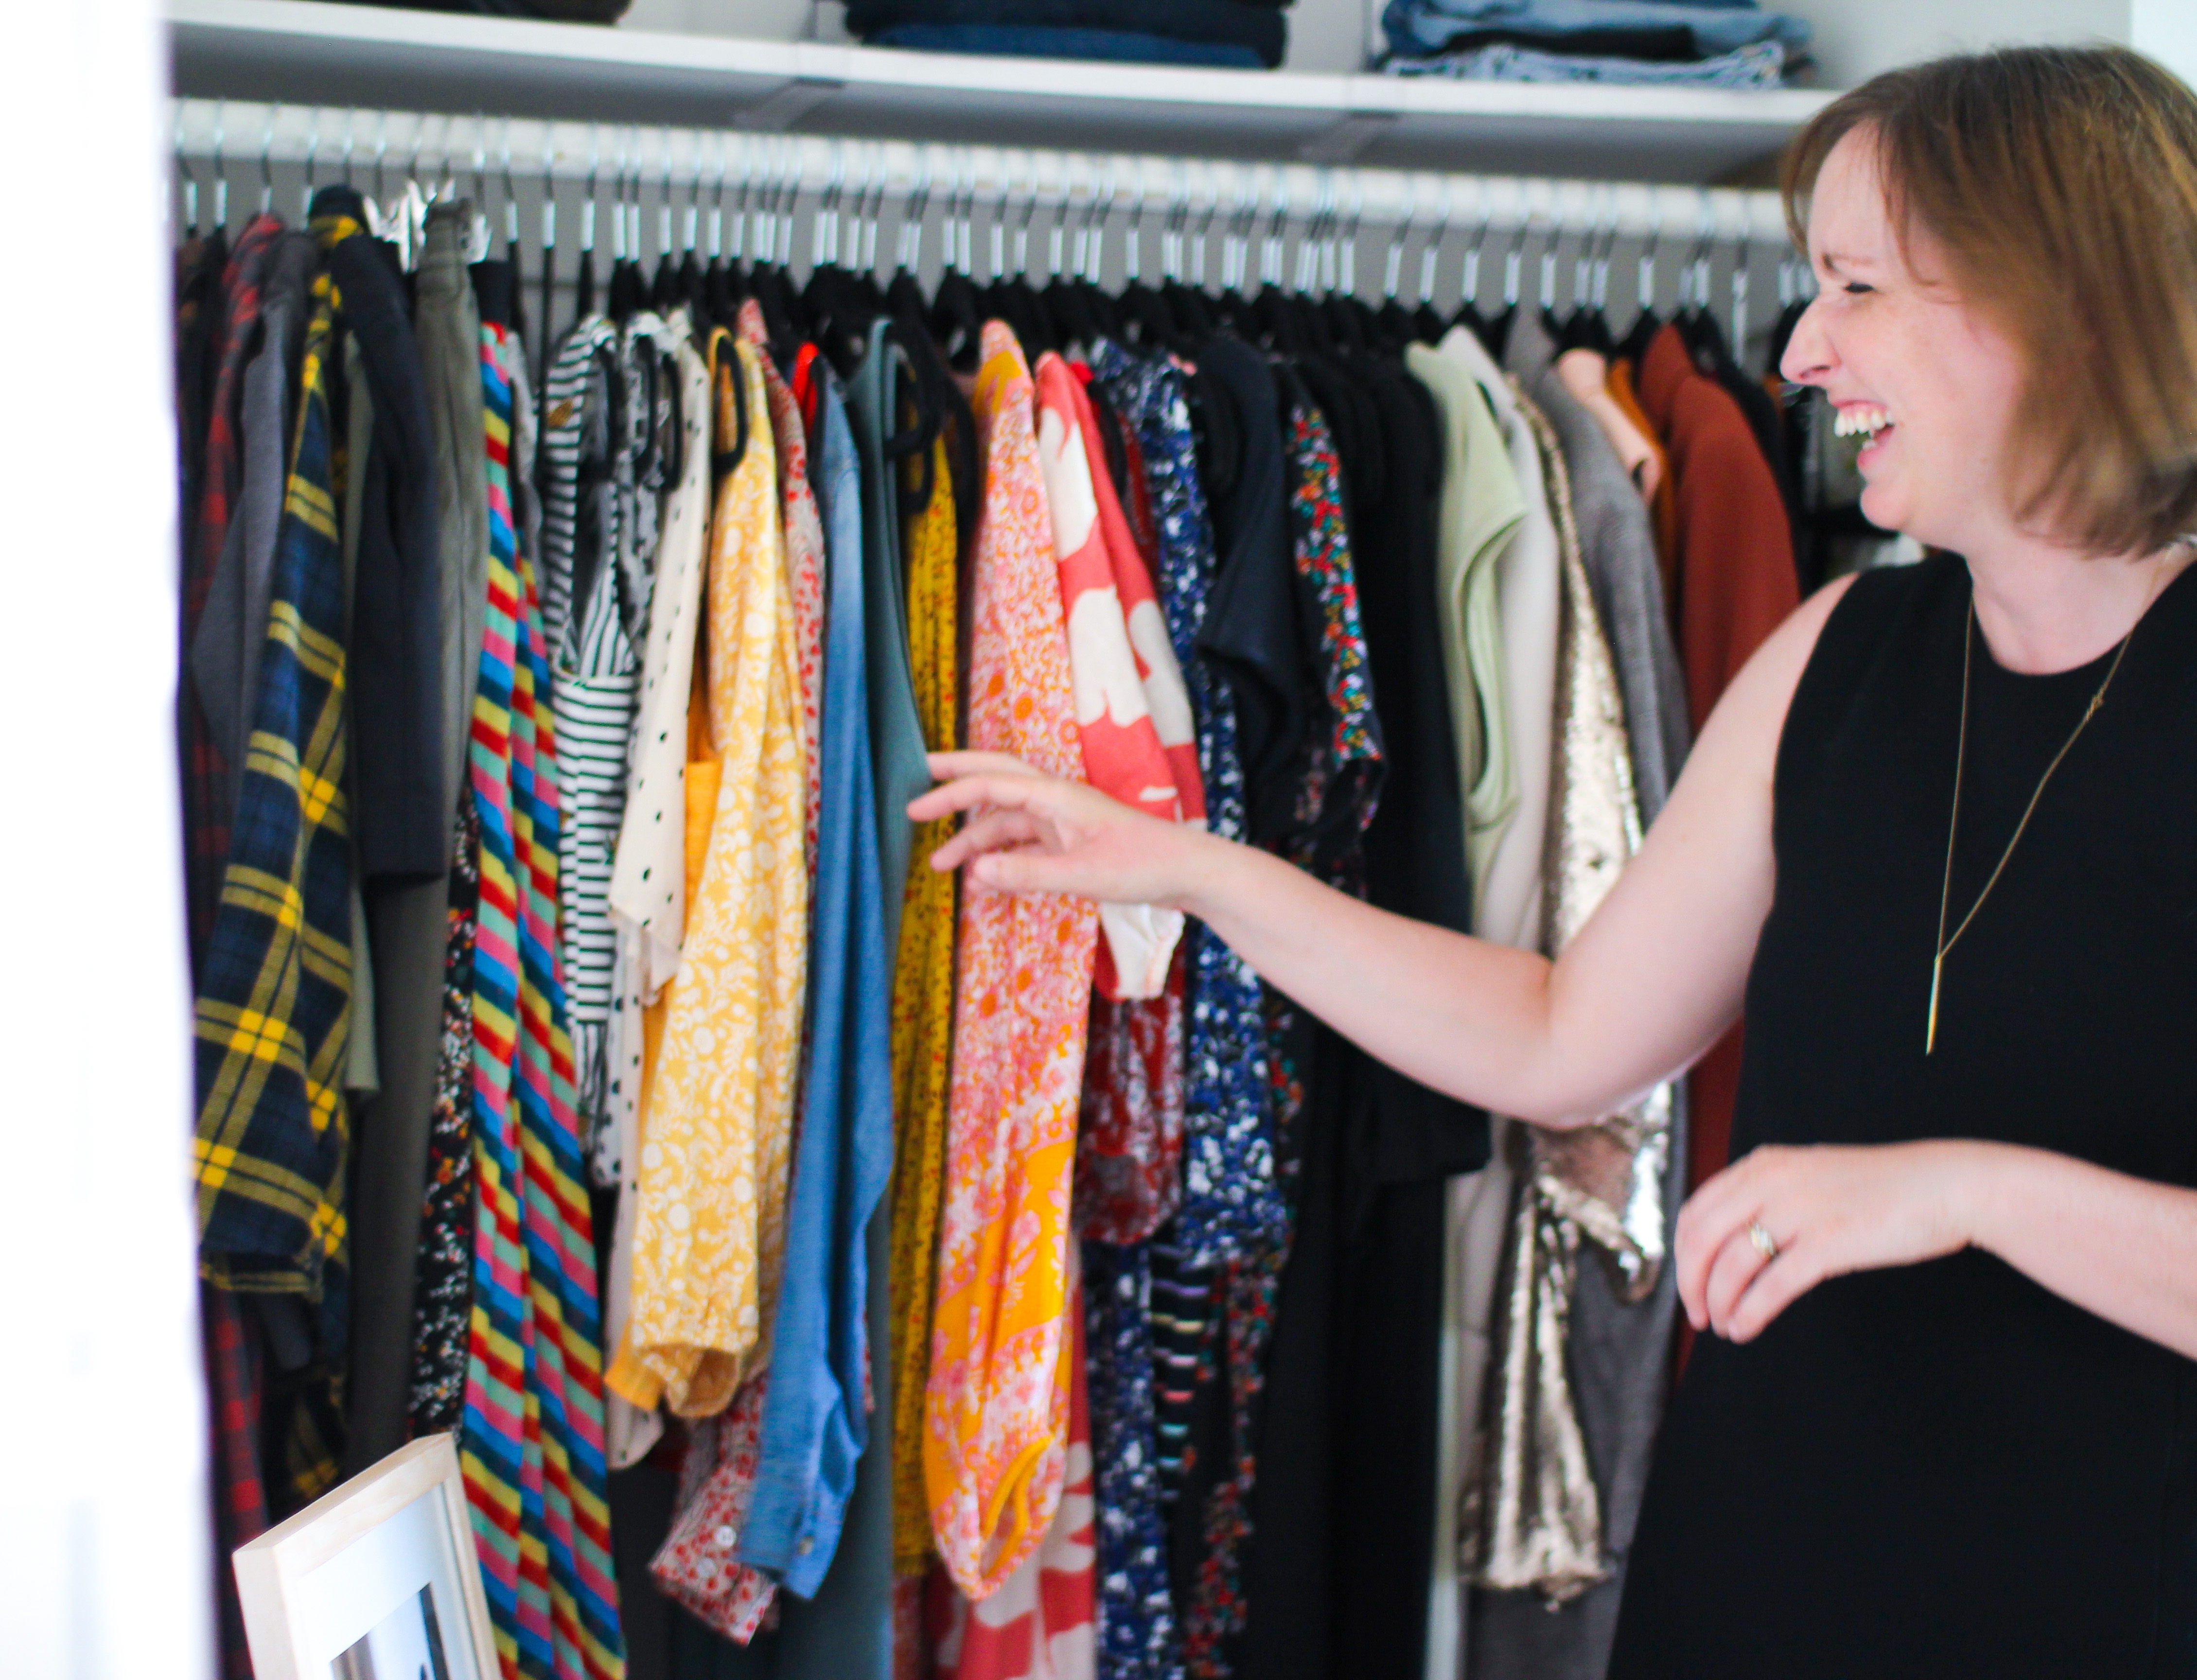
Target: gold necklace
(1952, 826)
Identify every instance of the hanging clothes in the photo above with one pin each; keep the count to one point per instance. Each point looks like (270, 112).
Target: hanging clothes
(923, 1012)
(665, 803)
(1399, 1141)
(709, 1230)
(804, 560)
(816, 1423)
(1272, 1521)
(272, 1009)
(442, 1301)
(595, 623)
(399, 660)
(1538, 1510)
(896, 733)
(1482, 506)
(1102, 588)
(533, 1450)
(1507, 807)
(1040, 1625)
(1228, 1191)
(208, 804)
(1619, 1382)
(695, 1564)
(996, 1407)
(409, 921)
(1130, 1135)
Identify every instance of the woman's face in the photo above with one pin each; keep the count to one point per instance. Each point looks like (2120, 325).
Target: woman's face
(1898, 353)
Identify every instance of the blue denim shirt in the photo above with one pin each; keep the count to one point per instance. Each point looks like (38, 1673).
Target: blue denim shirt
(814, 1425)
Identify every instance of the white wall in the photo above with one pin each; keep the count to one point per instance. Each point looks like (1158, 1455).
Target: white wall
(1856, 39)
(103, 1537)
(2167, 30)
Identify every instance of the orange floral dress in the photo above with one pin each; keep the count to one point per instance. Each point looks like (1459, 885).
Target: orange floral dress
(996, 1404)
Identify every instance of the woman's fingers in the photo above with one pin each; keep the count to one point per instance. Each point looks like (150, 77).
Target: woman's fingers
(989, 833)
(1736, 1264)
(1798, 1269)
(1028, 871)
(966, 793)
(947, 767)
(1706, 1226)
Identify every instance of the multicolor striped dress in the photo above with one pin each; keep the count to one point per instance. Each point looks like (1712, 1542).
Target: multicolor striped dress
(533, 1436)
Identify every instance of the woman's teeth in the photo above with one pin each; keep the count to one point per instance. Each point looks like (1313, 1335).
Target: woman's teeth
(1857, 422)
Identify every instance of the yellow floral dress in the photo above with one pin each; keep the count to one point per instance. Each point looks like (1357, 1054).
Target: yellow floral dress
(922, 1020)
(709, 1228)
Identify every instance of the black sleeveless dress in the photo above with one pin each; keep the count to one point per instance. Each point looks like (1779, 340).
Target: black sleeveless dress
(1944, 1470)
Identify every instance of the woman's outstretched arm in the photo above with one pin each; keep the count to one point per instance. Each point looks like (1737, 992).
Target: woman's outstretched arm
(1647, 985)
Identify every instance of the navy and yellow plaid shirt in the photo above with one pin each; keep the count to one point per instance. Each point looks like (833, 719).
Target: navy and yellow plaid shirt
(273, 998)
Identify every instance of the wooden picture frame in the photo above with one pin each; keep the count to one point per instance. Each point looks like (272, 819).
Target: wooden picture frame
(377, 1581)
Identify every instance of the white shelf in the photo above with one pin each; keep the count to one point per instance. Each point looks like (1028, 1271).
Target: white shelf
(309, 52)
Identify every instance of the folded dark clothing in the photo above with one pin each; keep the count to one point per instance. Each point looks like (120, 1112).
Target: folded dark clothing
(1674, 45)
(1222, 22)
(1012, 40)
(561, 11)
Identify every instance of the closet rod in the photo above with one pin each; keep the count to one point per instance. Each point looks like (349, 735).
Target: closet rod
(241, 136)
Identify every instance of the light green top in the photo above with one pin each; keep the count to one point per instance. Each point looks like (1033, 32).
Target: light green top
(1481, 506)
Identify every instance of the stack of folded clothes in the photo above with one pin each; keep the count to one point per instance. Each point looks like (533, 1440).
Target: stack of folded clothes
(1251, 34)
(1730, 43)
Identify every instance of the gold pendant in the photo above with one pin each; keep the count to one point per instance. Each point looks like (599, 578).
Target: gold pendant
(1936, 968)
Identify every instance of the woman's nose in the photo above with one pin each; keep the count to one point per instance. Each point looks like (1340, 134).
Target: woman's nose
(1809, 356)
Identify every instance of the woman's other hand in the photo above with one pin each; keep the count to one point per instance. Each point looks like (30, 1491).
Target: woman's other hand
(1028, 832)
(1828, 1210)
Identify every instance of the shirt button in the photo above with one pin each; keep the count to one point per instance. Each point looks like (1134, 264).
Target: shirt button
(806, 1546)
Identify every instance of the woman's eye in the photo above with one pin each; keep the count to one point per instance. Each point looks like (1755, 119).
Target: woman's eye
(1855, 288)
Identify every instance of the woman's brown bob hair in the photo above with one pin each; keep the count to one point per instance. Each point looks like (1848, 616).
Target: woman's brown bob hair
(2062, 184)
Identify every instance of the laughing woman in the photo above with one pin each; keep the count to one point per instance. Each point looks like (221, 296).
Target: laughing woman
(1940, 838)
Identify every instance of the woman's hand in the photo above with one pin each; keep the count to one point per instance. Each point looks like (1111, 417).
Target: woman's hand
(1828, 1210)
(1035, 833)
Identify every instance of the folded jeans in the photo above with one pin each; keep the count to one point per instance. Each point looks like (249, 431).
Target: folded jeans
(1417, 27)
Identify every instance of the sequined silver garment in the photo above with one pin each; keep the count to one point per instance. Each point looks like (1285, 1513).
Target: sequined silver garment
(1531, 1515)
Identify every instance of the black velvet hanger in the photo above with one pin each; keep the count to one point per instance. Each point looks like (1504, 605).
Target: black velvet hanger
(1645, 326)
(1397, 326)
(584, 288)
(956, 319)
(664, 289)
(783, 321)
(942, 396)
(1350, 323)
(840, 312)
(1192, 308)
(1146, 318)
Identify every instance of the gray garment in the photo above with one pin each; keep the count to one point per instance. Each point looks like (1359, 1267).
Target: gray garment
(409, 925)
(1618, 1353)
(363, 1063)
(447, 323)
(1618, 544)
(896, 746)
(233, 627)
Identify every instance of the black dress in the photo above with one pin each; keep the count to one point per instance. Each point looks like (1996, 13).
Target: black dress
(1945, 1471)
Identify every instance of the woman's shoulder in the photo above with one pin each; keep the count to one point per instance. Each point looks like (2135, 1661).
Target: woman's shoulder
(1858, 621)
